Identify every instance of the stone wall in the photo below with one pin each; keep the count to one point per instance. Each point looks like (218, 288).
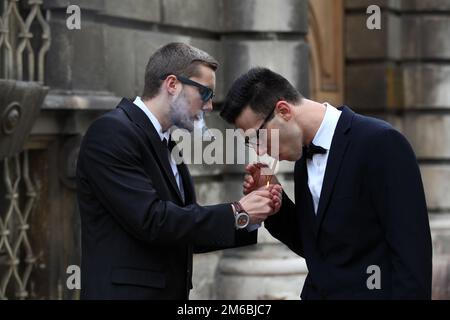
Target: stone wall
(402, 73)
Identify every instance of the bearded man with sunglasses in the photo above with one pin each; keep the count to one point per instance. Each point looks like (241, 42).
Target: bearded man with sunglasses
(140, 219)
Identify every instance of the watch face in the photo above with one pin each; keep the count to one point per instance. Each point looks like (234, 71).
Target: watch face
(242, 220)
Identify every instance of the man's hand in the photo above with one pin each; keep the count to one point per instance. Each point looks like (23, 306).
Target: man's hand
(254, 180)
(276, 194)
(262, 203)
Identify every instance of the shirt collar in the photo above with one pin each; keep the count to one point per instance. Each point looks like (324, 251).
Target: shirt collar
(163, 135)
(324, 135)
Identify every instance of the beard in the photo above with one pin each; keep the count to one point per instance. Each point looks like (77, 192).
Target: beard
(180, 113)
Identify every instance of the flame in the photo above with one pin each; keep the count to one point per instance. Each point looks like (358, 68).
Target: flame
(268, 178)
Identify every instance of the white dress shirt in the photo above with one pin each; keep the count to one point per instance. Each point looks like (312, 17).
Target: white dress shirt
(163, 135)
(317, 165)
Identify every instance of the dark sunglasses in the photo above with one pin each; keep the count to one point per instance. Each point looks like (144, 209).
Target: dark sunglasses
(206, 93)
(249, 143)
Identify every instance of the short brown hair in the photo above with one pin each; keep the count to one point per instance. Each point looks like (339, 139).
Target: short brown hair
(174, 58)
(261, 89)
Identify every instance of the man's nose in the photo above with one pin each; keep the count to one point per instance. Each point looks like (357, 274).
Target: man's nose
(208, 106)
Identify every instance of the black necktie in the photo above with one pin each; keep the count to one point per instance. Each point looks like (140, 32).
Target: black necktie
(170, 145)
(312, 149)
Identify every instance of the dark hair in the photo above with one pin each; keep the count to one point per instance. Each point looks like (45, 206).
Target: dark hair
(261, 89)
(174, 58)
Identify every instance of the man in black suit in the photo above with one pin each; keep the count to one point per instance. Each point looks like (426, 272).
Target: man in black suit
(140, 220)
(360, 217)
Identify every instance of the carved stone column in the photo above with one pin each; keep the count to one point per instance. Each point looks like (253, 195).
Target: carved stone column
(271, 271)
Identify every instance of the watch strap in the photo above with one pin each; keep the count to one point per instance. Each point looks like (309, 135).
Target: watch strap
(238, 207)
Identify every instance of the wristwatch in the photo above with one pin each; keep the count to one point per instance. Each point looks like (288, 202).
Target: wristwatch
(241, 217)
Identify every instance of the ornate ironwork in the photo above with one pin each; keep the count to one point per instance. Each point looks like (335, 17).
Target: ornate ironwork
(17, 259)
(24, 41)
(21, 21)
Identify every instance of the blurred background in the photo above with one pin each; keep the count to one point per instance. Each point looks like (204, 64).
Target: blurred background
(55, 81)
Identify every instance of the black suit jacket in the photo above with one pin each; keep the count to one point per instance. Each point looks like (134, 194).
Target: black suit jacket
(372, 211)
(137, 234)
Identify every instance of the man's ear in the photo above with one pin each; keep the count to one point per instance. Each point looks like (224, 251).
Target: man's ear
(171, 84)
(284, 110)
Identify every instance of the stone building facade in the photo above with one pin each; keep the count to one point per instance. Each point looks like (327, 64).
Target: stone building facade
(400, 73)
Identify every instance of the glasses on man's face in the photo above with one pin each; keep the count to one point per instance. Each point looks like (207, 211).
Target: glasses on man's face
(253, 142)
(206, 93)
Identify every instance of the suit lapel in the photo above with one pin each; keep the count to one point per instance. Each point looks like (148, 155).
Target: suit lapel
(141, 119)
(337, 151)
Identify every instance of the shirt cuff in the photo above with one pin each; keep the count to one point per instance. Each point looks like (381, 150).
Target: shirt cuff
(253, 227)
